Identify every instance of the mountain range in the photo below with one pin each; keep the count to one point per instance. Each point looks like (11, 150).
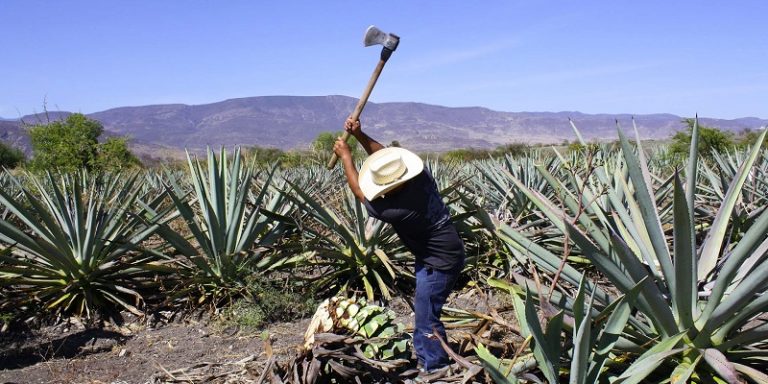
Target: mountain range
(293, 122)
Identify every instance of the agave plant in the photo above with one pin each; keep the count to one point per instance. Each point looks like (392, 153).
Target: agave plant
(587, 363)
(312, 179)
(699, 304)
(232, 228)
(11, 189)
(354, 251)
(78, 250)
(496, 190)
(720, 174)
(501, 202)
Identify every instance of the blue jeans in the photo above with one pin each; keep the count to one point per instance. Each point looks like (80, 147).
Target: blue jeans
(432, 289)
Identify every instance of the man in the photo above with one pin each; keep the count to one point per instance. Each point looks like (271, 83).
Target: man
(396, 188)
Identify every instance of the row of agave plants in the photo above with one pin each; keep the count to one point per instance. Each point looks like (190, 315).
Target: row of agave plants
(620, 267)
(683, 255)
(90, 245)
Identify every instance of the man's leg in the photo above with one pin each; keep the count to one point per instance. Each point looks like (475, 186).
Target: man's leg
(421, 302)
(432, 289)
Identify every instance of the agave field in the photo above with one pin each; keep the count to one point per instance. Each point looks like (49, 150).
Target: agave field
(611, 264)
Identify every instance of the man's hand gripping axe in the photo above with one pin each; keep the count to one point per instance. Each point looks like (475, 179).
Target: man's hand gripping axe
(389, 43)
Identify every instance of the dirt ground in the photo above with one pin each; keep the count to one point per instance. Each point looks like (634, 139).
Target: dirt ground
(138, 353)
(132, 354)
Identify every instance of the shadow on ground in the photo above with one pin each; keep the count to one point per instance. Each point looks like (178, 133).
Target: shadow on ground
(14, 353)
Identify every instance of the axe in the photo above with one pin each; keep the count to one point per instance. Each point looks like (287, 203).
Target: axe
(389, 42)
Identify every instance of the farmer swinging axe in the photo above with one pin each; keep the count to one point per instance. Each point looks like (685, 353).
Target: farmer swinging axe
(389, 43)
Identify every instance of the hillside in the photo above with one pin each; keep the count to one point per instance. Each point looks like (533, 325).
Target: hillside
(12, 134)
(290, 122)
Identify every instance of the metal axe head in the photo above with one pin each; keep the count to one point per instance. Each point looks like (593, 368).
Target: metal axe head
(374, 36)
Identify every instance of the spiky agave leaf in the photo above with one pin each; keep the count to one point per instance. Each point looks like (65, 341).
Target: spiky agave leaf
(359, 252)
(228, 221)
(77, 249)
(670, 296)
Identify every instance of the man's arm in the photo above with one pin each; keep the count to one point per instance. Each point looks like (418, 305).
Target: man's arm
(341, 148)
(355, 129)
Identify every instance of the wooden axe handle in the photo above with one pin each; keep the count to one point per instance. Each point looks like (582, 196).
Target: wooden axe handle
(360, 105)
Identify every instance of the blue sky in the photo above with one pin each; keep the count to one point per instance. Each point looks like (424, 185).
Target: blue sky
(639, 57)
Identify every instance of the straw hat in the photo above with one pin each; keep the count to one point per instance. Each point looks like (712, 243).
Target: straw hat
(387, 168)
